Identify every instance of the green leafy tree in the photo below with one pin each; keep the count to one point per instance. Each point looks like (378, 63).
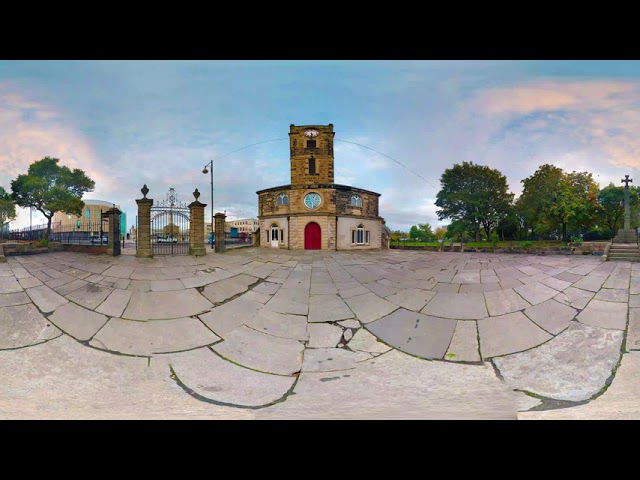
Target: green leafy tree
(50, 188)
(586, 210)
(7, 209)
(611, 199)
(459, 230)
(475, 194)
(426, 232)
(414, 232)
(440, 233)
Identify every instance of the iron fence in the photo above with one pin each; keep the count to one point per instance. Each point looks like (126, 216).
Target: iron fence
(87, 233)
(27, 234)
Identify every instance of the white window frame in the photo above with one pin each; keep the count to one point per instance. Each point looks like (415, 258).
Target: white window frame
(356, 201)
(282, 199)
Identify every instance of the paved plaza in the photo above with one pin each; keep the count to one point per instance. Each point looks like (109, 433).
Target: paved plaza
(276, 334)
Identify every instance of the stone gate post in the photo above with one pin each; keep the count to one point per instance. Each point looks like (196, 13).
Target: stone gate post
(113, 235)
(219, 232)
(196, 226)
(144, 225)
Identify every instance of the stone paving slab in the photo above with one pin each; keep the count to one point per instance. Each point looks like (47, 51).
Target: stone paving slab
(381, 289)
(153, 337)
(363, 341)
(535, 293)
(415, 333)
(290, 300)
(165, 285)
(464, 344)
(572, 366)
(260, 351)
(10, 299)
(20, 326)
(200, 280)
(575, 297)
(45, 298)
(328, 308)
(71, 286)
(9, 285)
(165, 305)
(446, 287)
(604, 314)
(509, 333)
(633, 334)
(551, 315)
(323, 335)
(119, 271)
(231, 315)
(207, 374)
(77, 321)
(617, 282)
(331, 359)
(463, 306)
(351, 323)
(370, 307)
(412, 298)
(267, 288)
(568, 277)
(555, 283)
(89, 295)
(280, 324)
(352, 292)
(223, 290)
(479, 287)
(613, 295)
(323, 289)
(257, 297)
(30, 281)
(115, 303)
(59, 281)
(590, 282)
(504, 301)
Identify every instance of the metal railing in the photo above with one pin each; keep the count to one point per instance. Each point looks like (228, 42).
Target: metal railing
(81, 233)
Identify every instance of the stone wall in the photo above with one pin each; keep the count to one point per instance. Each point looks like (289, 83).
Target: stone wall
(265, 228)
(347, 224)
(300, 153)
(369, 202)
(298, 223)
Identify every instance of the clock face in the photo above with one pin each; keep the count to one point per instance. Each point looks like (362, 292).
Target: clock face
(311, 133)
(312, 200)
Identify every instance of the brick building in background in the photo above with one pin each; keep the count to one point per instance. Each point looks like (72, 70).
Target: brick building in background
(312, 212)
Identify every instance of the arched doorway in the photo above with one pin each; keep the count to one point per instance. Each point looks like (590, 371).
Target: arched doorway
(312, 236)
(274, 235)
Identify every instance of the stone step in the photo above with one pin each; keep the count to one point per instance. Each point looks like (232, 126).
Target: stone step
(624, 259)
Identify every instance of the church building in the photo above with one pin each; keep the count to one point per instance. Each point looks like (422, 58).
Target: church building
(312, 212)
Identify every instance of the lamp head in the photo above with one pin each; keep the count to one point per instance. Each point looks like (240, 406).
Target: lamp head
(205, 171)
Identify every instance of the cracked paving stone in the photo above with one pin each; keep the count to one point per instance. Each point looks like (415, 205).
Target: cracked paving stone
(462, 306)
(604, 314)
(504, 301)
(351, 323)
(415, 333)
(220, 291)
(77, 321)
(115, 303)
(45, 298)
(23, 325)
(328, 308)
(157, 336)
(214, 378)
(322, 335)
(509, 333)
(592, 283)
(551, 315)
(260, 351)
(535, 293)
(159, 305)
(370, 307)
(9, 285)
(280, 324)
(331, 359)
(231, 315)
(575, 297)
(573, 366)
(555, 283)
(290, 300)
(363, 341)
(464, 344)
(71, 287)
(267, 288)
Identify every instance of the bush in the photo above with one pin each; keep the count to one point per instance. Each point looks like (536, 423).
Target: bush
(42, 243)
(526, 244)
(494, 239)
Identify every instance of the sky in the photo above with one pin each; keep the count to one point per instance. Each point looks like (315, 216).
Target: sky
(129, 123)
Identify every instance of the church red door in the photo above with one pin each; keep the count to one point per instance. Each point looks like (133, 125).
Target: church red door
(312, 236)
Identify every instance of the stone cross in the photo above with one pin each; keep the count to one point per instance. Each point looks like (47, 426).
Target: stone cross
(627, 212)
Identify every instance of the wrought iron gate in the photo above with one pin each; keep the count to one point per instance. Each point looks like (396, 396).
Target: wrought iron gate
(170, 226)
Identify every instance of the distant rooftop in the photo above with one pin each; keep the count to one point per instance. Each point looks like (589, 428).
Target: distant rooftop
(98, 202)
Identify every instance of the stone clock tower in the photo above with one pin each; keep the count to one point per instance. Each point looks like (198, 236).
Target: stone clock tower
(311, 154)
(312, 212)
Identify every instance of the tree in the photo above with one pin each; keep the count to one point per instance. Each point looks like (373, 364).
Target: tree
(426, 232)
(475, 194)
(7, 209)
(611, 200)
(414, 232)
(459, 229)
(440, 233)
(50, 188)
(552, 199)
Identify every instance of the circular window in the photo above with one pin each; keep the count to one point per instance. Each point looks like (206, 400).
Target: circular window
(312, 200)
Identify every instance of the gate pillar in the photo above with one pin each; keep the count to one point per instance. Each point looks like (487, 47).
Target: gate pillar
(219, 232)
(113, 235)
(144, 225)
(196, 226)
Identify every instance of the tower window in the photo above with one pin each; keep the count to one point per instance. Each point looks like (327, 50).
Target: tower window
(283, 199)
(311, 144)
(356, 201)
(312, 165)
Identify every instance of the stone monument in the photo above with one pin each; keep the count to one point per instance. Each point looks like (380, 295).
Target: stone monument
(626, 235)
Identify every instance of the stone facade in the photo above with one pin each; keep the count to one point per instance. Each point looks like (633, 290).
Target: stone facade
(339, 211)
(144, 225)
(219, 220)
(196, 227)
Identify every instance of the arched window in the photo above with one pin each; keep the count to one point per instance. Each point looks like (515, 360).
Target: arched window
(312, 165)
(283, 199)
(274, 232)
(356, 201)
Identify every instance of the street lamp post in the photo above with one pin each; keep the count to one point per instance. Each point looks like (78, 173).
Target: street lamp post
(205, 171)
